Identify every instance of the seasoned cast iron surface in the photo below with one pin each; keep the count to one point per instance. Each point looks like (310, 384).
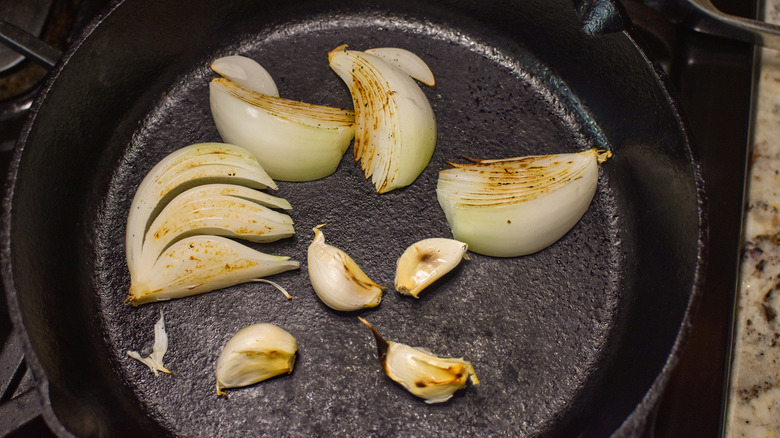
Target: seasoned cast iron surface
(534, 327)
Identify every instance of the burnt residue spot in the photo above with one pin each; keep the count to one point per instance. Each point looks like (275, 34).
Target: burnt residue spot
(760, 265)
(420, 384)
(381, 345)
(428, 257)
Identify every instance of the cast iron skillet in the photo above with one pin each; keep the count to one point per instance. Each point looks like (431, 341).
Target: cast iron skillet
(577, 339)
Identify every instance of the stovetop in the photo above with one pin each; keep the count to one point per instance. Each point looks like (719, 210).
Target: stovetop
(714, 79)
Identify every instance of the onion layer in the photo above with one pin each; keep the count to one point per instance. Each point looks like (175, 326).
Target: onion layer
(518, 206)
(396, 127)
(294, 141)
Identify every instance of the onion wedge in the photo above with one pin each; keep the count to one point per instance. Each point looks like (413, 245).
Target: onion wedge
(407, 62)
(246, 73)
(294, 141)
(186, 198)
(199, 264)
(517, 206)
(216, 209)
(184, 168)
(396, 127)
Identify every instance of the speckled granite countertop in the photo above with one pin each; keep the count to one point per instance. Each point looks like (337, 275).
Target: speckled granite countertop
(754, 403)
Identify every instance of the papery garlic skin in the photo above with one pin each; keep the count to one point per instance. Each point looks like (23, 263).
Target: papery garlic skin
(518, 206)
(426, 261)
(184, 168)
(432, 378)
(294, 141)
(337, 279)
(396, 127)
(155, 360)
(255, 353)
(247, 73)
(199, 264)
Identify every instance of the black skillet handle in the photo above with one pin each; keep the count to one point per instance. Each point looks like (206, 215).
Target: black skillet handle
(703, 16)
(28, 45)
(709, 19)
(599, 17)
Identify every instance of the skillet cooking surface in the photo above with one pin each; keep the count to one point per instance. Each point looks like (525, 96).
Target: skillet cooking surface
(546, 333)
(534, 327)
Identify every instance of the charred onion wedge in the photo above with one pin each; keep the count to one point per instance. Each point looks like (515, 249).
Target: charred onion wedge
(517, 206)
(396, 127)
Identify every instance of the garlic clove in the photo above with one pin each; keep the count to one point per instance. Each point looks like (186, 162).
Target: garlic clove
(407, 62)
(255, 353)
(155, 360)
(432, 378)
(199, 264)
(396, 128)
(247, 73)
(184, 168)
(425, 262)
(517, 206)
(337, 279)
(294, 141)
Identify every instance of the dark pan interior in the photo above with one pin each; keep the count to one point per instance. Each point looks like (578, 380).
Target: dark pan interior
(575, 339)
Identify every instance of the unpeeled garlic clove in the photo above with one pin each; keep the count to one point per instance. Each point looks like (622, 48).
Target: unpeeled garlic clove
(425, 262)
(337, 279)
(255, 353)
(432, 378)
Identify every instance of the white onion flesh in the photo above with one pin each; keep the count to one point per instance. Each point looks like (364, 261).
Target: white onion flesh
(204, 263)
(216, 209)
(396, 127)
(246, 73)
(407, 62)
(518, 206)
(294, 141)
(186, 167)
(189, 199)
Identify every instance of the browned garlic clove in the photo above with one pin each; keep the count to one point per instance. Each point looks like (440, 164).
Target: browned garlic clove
(432, 378)
(255, 353)
(337, 279)
(425, 262)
